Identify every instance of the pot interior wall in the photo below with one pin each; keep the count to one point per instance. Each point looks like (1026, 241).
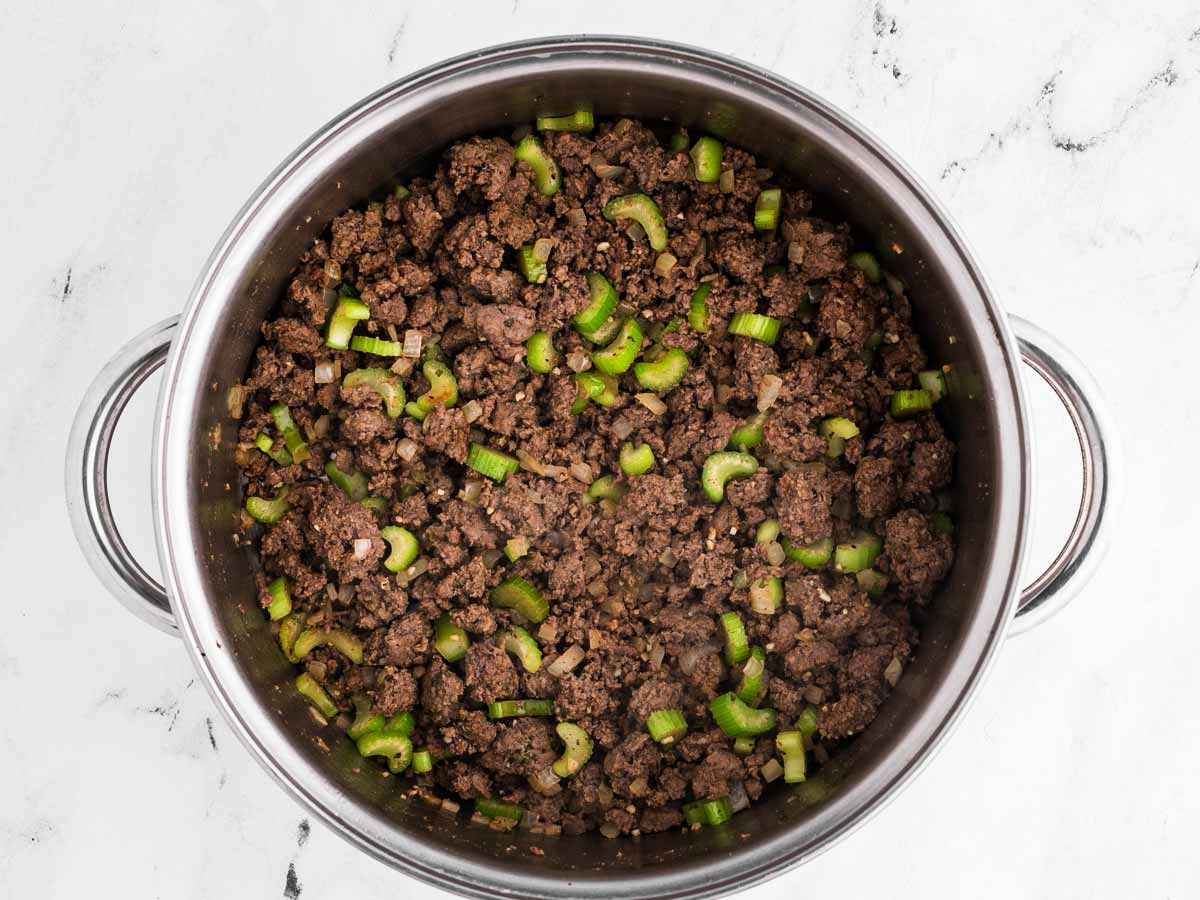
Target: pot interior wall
(398, 134)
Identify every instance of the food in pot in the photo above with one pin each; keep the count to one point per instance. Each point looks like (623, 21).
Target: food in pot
(596, 481)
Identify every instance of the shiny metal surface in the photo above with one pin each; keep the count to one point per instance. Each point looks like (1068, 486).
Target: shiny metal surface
(395, 132)
(87, 476)
(1099, 449)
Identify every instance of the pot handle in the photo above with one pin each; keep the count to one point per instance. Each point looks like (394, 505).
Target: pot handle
(1085, 546)
(87, 476)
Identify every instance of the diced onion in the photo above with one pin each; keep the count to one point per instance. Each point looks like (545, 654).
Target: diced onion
(609, 830)
(542, 248)
(635, 232)
(737, 796)
(450, 806)
(652, 402)
(657, 655)
(578, 361)
(665, 263)
(471, 411)
(429, 797)
(391, 332)
(412, 343)
(622, 428)
(761, 600)
(893, 671)
(754, 667)
(595, 638)
(576, 217)
(567, 662)
(775, 554)
(613, 606)
(544, 781)
(362, 548)
(235, 401)
(323, 371)
(346, 593)
(603, 168)
(491, 557)
(529, 464)
(332, 273)
(403, 365)
(768, 391)
(796, 252)
(548, 632)
(692, 656)
(406, 449)
(668, 558)
(771, 770)
(639, 787)
(604, 795)
(726, 181)
(581, 471)
(471, 489)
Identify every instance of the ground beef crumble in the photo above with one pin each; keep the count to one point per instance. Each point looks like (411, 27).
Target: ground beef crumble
(635, 580)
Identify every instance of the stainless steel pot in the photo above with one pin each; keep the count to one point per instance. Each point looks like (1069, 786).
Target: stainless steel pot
(209, 598)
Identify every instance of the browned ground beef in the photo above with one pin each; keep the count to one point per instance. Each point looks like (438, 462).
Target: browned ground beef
(637, 583)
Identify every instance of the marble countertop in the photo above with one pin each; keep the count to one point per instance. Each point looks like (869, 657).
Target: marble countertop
(1061, 135)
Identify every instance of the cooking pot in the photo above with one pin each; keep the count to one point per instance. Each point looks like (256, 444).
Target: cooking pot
(209, 598)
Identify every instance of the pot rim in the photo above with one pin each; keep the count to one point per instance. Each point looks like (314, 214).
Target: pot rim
(427, 860)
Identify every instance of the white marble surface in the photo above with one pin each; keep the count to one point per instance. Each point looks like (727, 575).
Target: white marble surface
(1063, 137)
